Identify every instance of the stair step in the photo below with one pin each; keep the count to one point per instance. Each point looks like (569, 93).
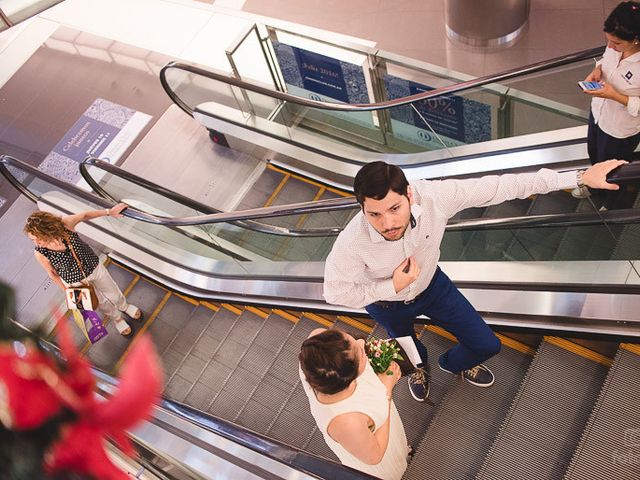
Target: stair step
(546, 418)
(610, 444)
(467, 421)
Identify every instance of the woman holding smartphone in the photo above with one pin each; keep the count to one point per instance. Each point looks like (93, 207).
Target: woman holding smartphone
(614, 122)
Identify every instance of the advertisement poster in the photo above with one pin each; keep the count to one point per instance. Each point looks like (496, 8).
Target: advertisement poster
(322, 78)
(456, 120)
(105, 130)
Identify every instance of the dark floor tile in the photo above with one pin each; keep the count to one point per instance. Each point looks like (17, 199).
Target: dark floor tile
(200, 396)
(171, 360)
(246, 328)
(292, 429)
(256, 417)
(221, 324)
(274, 332)
(241, 383)
(122, 277)
(215, 375)
(177, 311)
(191, 368)
(227, 405)
(206, 347)
(177, 388)
(272, 392)
(230, 353)
(258, 359)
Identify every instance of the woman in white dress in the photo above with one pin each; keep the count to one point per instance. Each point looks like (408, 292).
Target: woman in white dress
(352, 405)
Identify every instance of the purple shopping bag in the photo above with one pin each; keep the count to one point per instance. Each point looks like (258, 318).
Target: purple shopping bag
(93, 325)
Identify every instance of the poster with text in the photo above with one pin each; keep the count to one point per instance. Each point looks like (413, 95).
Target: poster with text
(319, 77)
(105, 130)
(456, 120)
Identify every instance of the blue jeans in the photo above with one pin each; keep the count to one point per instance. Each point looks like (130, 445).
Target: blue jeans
(443, 303)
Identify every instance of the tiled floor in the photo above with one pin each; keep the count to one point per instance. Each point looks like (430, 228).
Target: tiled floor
(46, 96)
(416, 29)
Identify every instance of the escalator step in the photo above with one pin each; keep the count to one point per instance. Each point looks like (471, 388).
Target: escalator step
(610, 444)
(467, 421)
(546, 418)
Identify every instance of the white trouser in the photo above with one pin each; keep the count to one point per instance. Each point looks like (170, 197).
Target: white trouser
(111, 299)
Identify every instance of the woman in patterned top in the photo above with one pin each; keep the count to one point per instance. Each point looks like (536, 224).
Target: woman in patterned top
(53, 234)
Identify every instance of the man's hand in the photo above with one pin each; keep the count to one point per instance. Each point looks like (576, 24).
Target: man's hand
(596, 176)
(389, 381)
(405, 274)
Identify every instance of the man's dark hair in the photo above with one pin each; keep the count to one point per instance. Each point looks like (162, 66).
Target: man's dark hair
(624, 21)
(327, 362)
(375, 179)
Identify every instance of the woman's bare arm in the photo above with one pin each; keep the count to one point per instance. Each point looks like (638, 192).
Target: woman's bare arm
(352, 432)
(42, 260)
(70, 221)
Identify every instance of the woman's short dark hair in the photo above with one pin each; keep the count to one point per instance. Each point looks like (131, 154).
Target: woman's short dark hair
(375, 179)
(624, 21)
(328, 362)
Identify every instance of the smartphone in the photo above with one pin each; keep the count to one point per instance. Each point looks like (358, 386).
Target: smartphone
(590, 85)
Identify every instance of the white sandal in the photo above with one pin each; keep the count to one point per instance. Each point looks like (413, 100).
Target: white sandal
(122, 326)
(134, 312)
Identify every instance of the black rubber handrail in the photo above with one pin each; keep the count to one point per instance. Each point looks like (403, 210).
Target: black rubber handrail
(360, 107)
(532, 221)
(293, 457)
(189, 202)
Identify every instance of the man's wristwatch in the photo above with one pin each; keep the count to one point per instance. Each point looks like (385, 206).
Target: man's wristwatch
(579, 179)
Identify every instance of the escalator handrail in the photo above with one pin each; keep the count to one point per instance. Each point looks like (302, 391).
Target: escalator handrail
(360, 107)
(273, 449)
(533, 221)
(189, 202)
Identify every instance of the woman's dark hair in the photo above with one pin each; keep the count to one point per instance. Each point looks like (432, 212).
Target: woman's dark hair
(375, 179)
(327, 362)
(624, 21)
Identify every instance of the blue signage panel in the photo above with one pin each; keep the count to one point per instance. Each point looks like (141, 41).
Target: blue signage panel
(87, 136)
(457, 120)
(322, 74)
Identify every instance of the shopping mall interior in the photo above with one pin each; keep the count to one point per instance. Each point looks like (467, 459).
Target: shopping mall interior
(233, 130)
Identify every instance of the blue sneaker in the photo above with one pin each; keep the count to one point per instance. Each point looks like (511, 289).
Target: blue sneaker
(419, 384)
(480, 375)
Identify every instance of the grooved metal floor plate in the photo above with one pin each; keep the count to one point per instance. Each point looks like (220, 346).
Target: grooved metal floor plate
(546, 418)
(467, 421)
(610, 445)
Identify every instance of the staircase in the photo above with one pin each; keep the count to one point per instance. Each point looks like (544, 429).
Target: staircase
(558, 410)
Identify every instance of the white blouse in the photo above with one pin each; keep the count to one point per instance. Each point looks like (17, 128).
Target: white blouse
(612, 117)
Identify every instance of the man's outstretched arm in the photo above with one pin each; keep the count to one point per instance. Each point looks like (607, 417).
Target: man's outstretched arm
(596, 175)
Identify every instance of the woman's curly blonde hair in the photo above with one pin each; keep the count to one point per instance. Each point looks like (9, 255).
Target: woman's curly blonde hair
(46, 226)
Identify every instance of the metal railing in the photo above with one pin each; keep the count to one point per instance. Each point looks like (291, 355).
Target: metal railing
(356, 107)
(531, 221)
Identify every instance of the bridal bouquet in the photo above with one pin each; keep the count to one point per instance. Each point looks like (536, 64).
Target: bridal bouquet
(381, 353)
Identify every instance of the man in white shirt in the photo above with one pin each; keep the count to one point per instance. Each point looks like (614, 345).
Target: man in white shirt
(385, 259)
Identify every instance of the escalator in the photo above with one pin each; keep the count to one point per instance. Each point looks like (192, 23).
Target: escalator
(229, 339)
(522, 129)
